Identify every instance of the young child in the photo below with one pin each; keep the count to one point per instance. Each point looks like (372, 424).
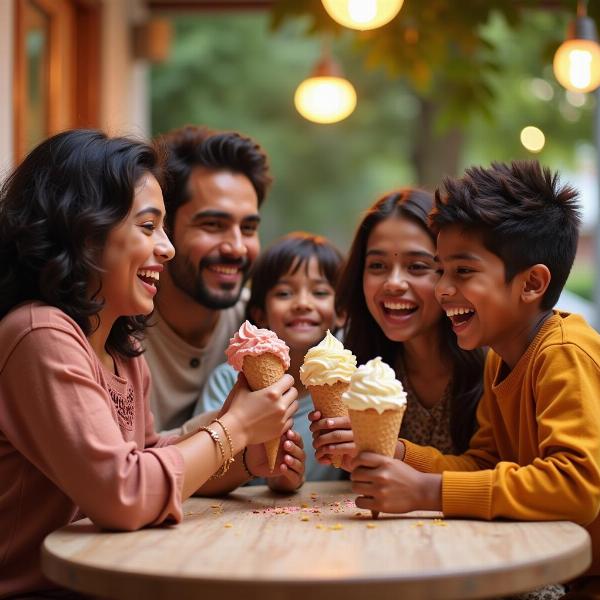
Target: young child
(506, 243)
(293, 295)
(386, 292)
(82, 246)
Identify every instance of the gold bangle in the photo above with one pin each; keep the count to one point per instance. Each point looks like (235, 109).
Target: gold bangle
(245, 464)
(216, 438)
(227, 437)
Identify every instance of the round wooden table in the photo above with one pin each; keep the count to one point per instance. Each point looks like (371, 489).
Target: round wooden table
(313, 545)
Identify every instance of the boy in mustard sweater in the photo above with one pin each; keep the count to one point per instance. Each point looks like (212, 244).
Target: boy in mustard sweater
(507, 238)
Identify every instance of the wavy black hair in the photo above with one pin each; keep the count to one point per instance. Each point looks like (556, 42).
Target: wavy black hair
(56, 211)
(365, 338)
(195, 146)
(292, 251)
(522, 214)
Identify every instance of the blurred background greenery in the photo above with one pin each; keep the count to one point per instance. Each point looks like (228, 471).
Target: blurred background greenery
(445, 85)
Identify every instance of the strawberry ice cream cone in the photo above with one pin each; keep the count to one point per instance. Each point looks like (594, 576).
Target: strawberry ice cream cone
(263, 358)
(261, 371)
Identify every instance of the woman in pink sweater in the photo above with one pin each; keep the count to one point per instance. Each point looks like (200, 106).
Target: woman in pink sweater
(82, 247)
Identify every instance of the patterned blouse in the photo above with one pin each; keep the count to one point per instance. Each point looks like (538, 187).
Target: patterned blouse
(426, 426)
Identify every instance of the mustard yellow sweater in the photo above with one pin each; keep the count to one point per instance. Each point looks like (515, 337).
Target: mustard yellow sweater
(536, 454)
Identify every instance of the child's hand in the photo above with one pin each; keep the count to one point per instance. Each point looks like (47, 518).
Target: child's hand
(288, 475)
(332, 437)
(389, 485)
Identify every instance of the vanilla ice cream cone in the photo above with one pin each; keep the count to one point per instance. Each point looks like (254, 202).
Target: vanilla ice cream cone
(327, 399)
(326, 372)
(376, 432)
(376, 403)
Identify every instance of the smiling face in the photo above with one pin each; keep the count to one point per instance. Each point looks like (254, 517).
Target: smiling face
(134, 255)
(399, 277)
(483, 308)
(216, 237)
(300, 307)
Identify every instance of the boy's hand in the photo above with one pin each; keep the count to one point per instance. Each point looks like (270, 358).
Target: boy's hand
(389, 485)
(332, 437)
(288, 475)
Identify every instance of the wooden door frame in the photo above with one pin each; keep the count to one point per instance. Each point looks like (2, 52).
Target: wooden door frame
(73, 70)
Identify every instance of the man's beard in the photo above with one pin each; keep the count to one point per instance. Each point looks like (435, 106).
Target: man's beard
(189, 279)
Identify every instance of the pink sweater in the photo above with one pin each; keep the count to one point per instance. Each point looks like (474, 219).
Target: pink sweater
(75, 440)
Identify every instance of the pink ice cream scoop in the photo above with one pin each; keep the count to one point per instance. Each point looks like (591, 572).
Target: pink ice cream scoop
(250, 340)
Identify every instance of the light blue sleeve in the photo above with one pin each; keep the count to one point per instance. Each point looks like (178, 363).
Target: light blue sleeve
(217, 388)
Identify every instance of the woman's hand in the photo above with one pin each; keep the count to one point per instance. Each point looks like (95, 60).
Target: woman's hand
(389, 485)
(332, 437)
(288, 474)
(264, 414)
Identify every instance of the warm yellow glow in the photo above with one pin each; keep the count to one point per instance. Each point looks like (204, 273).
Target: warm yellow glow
(362, 14)
(577, 65)
(533, 138)
(325, 99)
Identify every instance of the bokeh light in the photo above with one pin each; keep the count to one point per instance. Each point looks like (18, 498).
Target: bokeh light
(533, 138)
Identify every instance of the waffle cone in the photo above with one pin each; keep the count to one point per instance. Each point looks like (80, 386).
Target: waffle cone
(327, 399)
(262, 371)
(375, 432)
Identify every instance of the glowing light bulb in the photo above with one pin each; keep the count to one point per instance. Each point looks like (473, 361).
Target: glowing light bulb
(577, 65)
(362, 11)
(580, 68)
(362, 14)
(325, 99)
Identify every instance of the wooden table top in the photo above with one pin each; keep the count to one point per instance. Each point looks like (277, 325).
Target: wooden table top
(313, 545)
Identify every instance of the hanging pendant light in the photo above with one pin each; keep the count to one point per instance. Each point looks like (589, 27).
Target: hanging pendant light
(325, 97)
(577, 61)
(362, 14)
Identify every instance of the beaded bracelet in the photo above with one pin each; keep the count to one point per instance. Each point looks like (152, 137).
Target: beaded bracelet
(226, 462)
(245, 464)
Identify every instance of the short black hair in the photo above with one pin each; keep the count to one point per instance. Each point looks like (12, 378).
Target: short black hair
(56, 211)
(522, 214)
(291, 252)
(194, 146)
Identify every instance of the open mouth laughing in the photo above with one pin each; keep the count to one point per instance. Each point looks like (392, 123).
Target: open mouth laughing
(399, 308)
(460, 316)
(149, 277)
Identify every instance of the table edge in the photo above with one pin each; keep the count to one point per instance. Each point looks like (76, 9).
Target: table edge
(57, 568)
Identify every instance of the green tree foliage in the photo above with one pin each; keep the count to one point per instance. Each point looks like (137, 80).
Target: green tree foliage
(443, 49)
(525, 92)
(232, 72)
(444, 85)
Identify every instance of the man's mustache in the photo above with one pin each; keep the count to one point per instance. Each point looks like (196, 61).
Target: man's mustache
(241, 263)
